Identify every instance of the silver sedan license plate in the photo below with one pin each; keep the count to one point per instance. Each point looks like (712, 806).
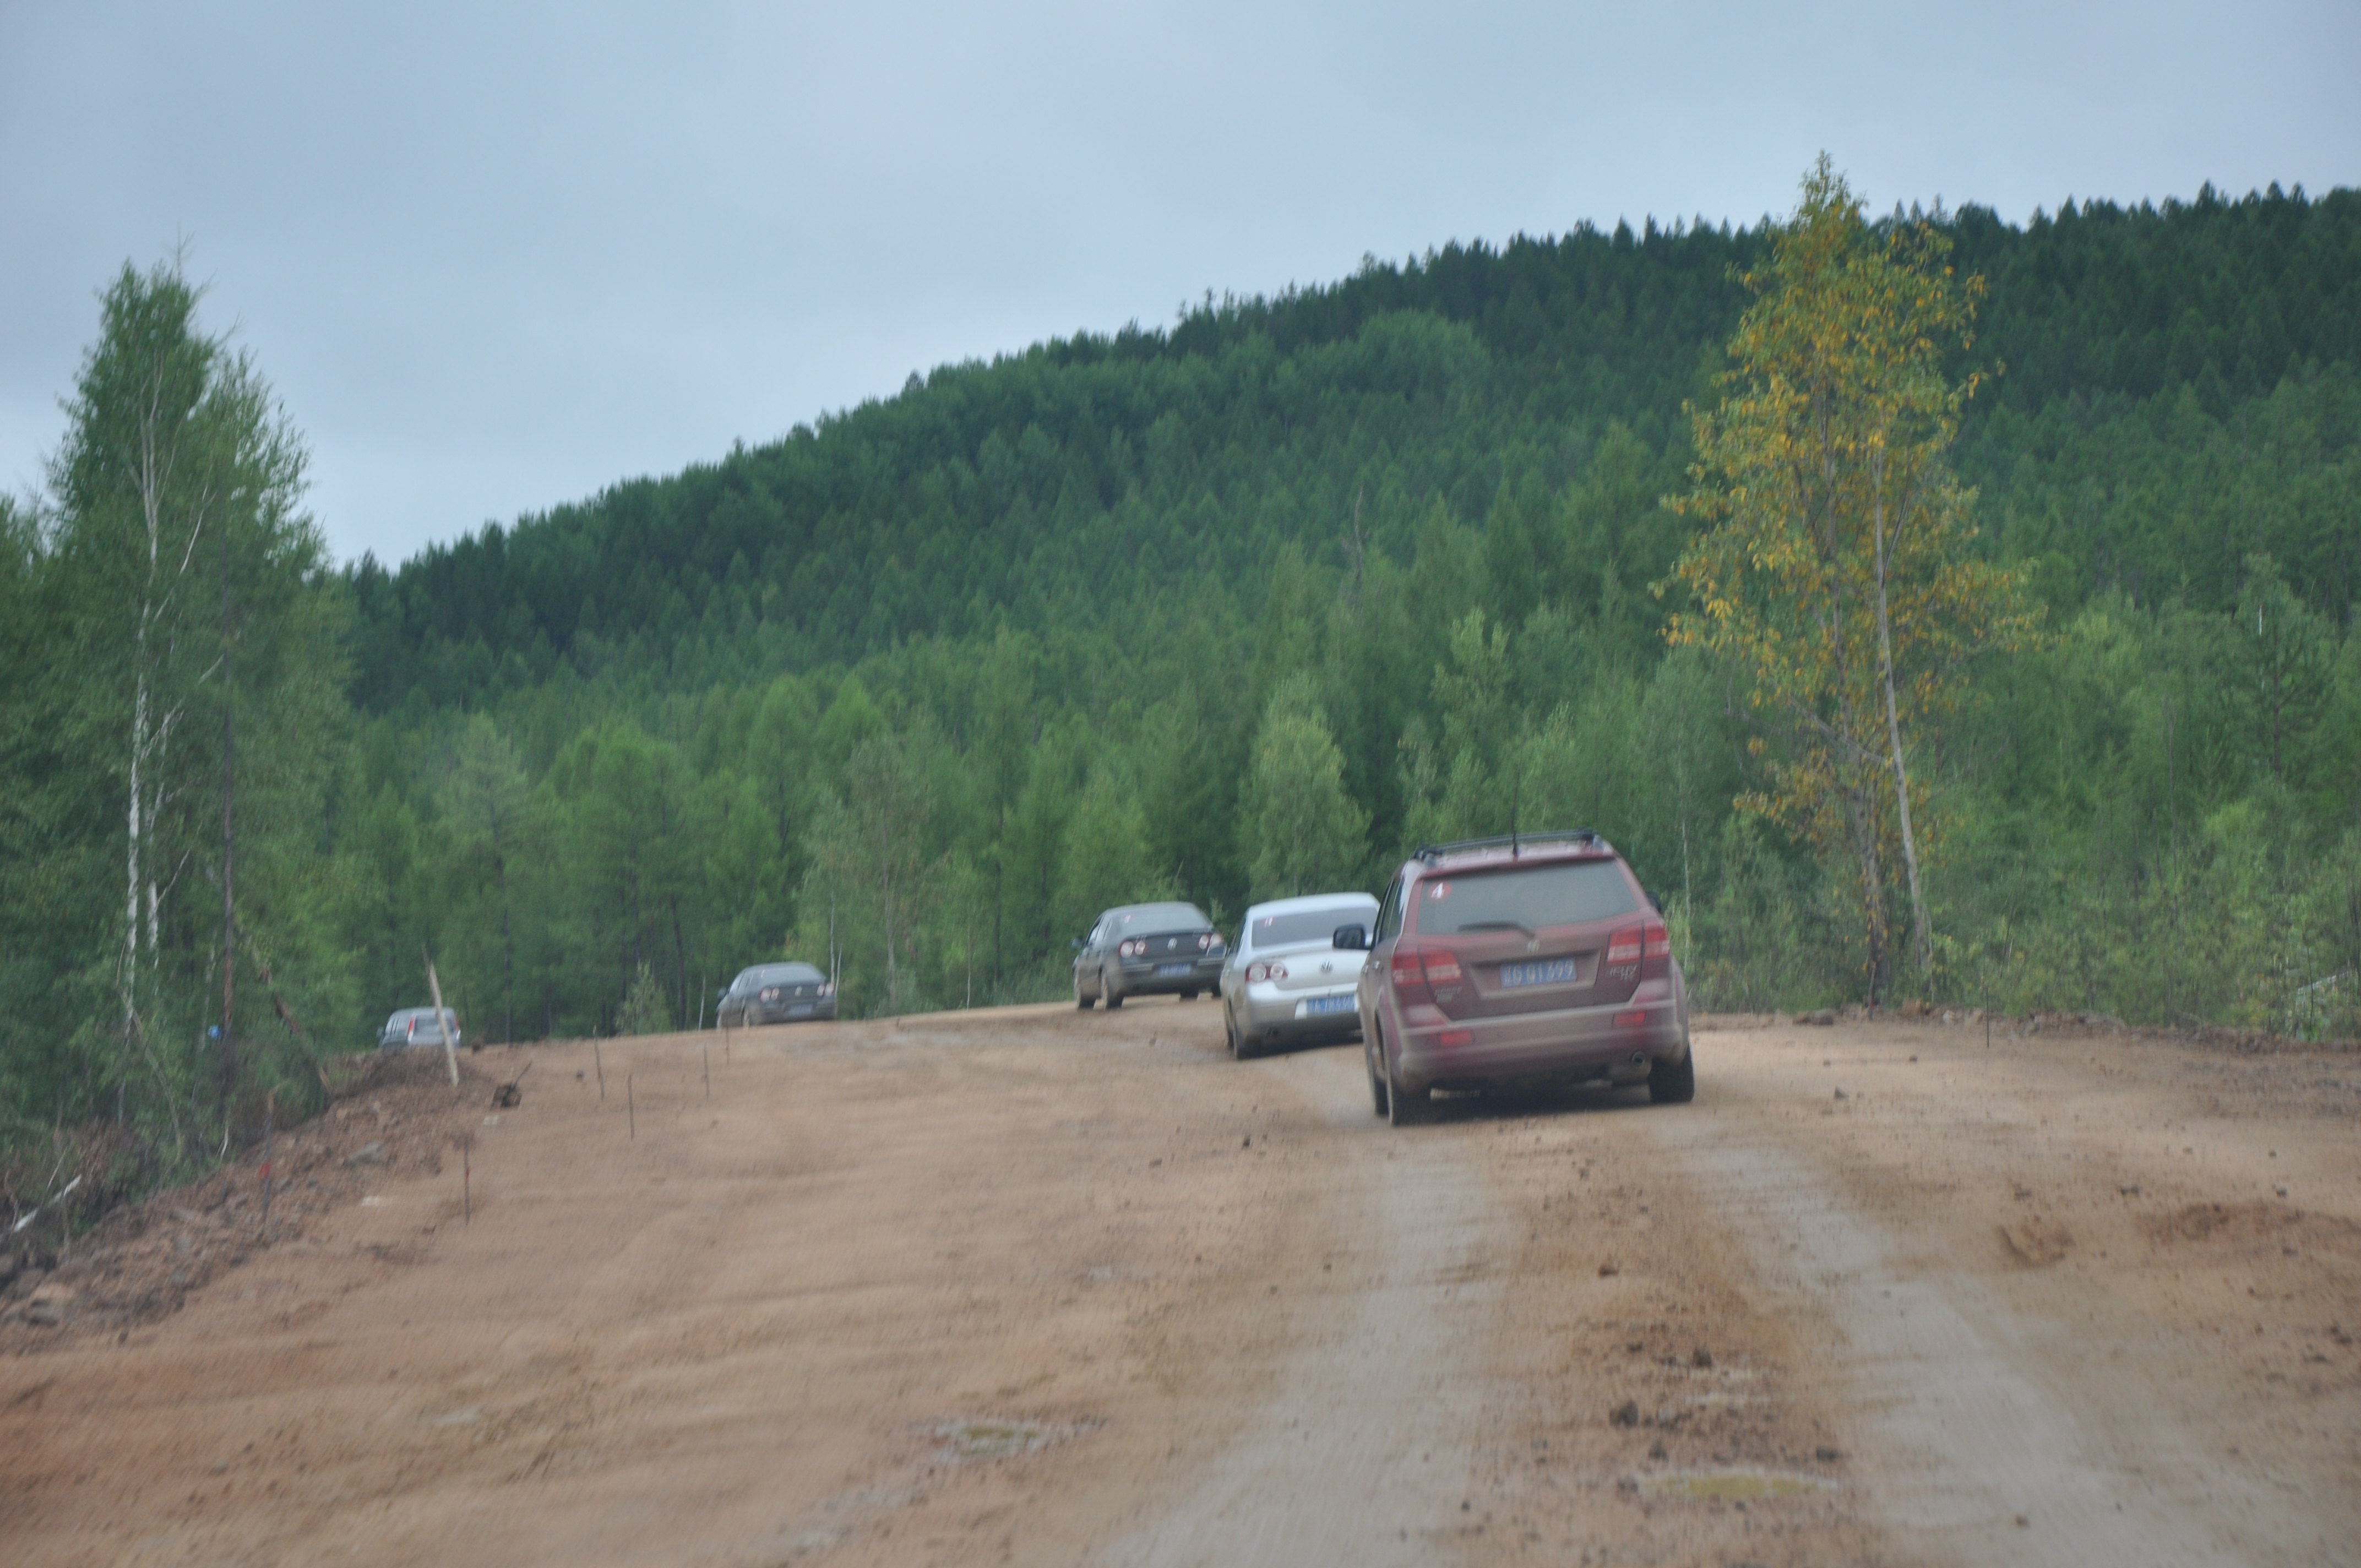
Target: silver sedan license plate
(1540, 971)
(1318, 1005)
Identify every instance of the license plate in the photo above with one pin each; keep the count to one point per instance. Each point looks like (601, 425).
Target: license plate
(1320, 1005)
(1540, 971)
(800, 1010)
(1168, 971)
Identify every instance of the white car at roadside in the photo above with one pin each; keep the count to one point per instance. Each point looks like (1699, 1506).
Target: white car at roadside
(1285, 982)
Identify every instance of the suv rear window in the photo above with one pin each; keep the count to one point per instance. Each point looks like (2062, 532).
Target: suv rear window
(1567, 893)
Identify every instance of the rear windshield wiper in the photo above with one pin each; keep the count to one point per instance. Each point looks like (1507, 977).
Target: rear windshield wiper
(1497, 925)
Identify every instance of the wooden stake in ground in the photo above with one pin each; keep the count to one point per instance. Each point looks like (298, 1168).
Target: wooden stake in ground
(600, 1063)
(442, 1022)
(467, 1178)
(630, 1107)
(707, 1052)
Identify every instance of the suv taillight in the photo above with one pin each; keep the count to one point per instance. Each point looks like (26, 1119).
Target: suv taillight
(1635, 943)
(1413, 967)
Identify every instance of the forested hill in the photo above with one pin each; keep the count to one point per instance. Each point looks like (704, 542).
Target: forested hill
(2177, 391)
(1245, 606)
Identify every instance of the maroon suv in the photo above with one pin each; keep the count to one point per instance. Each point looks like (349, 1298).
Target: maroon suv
(1499, 961)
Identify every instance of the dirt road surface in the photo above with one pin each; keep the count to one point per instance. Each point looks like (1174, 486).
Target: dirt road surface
(1037, 1286)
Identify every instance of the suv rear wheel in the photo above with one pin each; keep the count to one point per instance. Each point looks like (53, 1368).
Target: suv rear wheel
(1376, 1085)
(1671, 1085)
(1404, 1108)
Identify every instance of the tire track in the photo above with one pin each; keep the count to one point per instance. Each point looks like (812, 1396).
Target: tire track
(1970, 1451)
(1361, 1455)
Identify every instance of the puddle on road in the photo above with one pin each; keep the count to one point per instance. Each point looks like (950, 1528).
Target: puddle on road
(1731, 1485)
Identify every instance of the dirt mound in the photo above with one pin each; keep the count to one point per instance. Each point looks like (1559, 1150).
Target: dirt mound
(2256, 1227)
(2036, 1243)
(391, 1114)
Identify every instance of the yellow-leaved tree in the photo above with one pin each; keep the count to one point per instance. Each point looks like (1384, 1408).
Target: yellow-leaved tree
(1833, 572)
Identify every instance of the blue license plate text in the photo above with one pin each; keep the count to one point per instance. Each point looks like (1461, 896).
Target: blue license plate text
(1540, 971)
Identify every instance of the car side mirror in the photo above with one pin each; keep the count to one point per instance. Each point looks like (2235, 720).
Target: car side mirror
(1077, 944)
(1350, 939)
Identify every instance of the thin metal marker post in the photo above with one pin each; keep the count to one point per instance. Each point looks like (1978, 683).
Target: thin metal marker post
(442, 1021)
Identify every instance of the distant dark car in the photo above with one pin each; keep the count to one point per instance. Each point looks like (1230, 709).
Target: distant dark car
(775, 993)
(1148, 949)
(417, 1026)
(1504, 960)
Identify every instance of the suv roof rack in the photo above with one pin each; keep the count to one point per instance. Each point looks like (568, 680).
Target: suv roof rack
(1515, 843)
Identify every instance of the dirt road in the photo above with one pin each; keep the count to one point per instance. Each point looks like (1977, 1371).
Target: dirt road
(1034, 1287)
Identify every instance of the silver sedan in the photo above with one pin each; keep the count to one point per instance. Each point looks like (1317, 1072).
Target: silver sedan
(1285, 982)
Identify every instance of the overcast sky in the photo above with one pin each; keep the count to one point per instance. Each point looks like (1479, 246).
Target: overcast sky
(496, 257)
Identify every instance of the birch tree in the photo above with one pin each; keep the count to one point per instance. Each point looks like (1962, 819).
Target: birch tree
(1834, 571)
(179, 554)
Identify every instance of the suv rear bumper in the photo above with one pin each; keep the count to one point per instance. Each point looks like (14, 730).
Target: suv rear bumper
(1577, 1044)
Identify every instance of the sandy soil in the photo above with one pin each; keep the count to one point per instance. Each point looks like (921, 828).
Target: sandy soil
(1035, 1286)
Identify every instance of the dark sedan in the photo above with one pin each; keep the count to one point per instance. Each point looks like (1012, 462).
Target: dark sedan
(1148, 949)
(775, 993)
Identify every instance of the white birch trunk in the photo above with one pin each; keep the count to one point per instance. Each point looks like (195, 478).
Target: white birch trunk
(133, 880)
(1921, 940)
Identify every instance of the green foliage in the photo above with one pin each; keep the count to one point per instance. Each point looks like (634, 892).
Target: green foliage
(1425, 503)
(169, 673)
(645, 1010)
(1301, 832)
